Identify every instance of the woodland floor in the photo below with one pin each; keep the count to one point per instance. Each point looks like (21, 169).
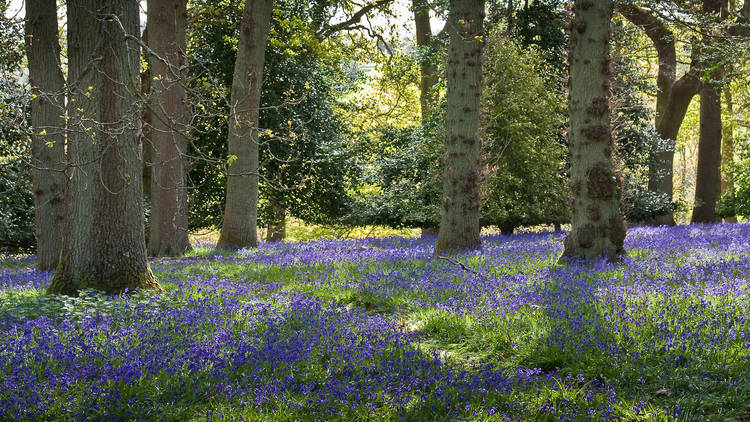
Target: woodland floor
(379, 329)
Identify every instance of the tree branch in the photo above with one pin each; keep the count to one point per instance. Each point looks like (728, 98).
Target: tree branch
(352, 21)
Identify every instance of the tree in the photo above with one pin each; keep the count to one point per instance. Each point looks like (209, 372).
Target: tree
(598, 227)
(708, 180)
(239, 228)
(460, 211)
(672, 99)
(168, 231)
(104, 247)
(48, 137)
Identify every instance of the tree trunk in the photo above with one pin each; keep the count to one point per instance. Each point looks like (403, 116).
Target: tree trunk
(277, 226)
(460, 211)
(168, 234)
(428, 76)
(672, 100)
(707, 178)
(727, 148)
(661, 167)
(48, 139)
(239, 228)
(598, 227)
(184, 112)
(115, 252)
(83, 111)
(428, 231)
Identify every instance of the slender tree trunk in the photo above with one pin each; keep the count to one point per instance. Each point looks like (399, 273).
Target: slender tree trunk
(428, 71)
(168, 234)
(708, 179)
(598, 227)
(460, 211)
(184, 112)
(48, 139)
(277, 226)
(115, 249)
(727, 142)
(239, 228)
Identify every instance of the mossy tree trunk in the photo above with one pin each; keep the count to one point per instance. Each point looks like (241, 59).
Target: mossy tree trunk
(598, 228)
(460, 211)
(240, 225)
(48, 138)
(168, 232)
(113, 248)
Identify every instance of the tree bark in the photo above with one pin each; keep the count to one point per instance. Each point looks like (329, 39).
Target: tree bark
(598, 227)
(460, 211)
(115, 249)
(239, 228)
(84, 87)
(277, 226)
(707, 179)
(427, 70)
(168, 234)
(48, 138)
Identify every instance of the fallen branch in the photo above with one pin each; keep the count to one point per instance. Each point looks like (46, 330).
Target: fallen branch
(458, 263)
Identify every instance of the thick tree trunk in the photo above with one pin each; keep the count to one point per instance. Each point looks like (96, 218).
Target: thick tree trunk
(48, 139)
(114, 251)
(428, 75)
(277, 226)
(598, 227)
(83, 111)
(707, 178)
(168, 234)
(460, 211)
(239, 228)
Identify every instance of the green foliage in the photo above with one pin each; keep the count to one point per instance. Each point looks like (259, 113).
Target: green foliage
(16, 201)
(540, 24)
(736, 201)
(524, 155)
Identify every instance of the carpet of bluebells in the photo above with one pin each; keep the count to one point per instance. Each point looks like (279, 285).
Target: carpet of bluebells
(381, 329)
